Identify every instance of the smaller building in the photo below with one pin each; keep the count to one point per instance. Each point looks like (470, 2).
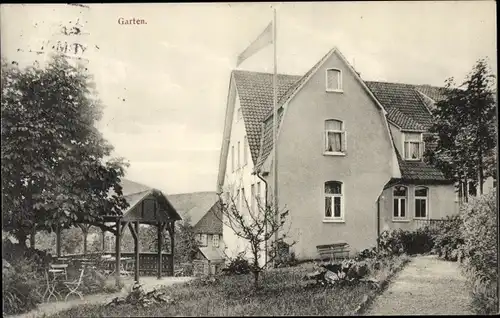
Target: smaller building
(202, 210)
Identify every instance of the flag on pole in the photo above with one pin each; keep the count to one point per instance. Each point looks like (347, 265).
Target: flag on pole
(265, 38)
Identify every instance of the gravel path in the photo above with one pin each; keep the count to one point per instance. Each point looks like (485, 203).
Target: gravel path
(426, 286)
(148, 283)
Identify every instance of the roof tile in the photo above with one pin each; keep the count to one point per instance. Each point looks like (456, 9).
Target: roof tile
(405, 106)
(256, 99)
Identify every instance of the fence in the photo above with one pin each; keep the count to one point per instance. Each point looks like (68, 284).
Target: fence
(430, 222)
(148, 261)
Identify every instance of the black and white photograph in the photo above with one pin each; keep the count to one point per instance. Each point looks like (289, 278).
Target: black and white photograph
(335, 158)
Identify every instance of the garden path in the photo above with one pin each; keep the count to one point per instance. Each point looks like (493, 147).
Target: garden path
(148, 284)
(426, 286)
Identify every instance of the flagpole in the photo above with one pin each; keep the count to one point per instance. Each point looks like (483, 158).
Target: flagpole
(275, 131)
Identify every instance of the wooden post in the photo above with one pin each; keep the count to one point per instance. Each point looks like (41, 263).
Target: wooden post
(117, 251)
(172, 234)
(32, 236)
(103, 241)
(135, 236)
(85, 231)
(136, 274)
(58, 241)
(160, 241)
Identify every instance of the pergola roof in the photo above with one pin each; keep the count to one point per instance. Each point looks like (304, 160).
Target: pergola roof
(146, 204)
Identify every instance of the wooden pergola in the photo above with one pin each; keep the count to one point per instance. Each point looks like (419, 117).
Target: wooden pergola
(149, 206)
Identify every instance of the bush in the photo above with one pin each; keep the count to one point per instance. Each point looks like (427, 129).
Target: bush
(237, 266)
(479, 251)
(22, 285)
(367, 253)
(398, 242)
(449, 239)
(15, 251)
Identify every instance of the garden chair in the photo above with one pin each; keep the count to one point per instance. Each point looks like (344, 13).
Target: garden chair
(179, 272)
(74, 285)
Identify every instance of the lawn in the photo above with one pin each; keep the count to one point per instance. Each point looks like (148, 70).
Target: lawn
(282, 292)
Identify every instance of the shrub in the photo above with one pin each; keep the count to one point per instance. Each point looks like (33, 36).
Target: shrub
(397, 242)
(480, 253)
(367, 253)
(15, 251)
(288, 260)
(449, 239)
(22, 285)
(237, 266)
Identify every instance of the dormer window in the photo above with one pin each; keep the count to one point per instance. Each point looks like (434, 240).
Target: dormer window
(413, 146)
(333, 80)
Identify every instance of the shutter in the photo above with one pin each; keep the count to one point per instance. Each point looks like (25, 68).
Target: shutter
(422, 150)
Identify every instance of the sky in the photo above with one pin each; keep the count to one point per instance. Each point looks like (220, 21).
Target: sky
(164, 84)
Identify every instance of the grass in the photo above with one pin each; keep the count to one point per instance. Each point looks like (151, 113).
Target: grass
(282, 293)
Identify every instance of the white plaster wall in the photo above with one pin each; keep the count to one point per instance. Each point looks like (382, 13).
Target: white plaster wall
(241, 178)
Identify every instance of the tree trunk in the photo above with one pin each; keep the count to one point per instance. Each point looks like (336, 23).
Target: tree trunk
(481, 172)
(256, 278)
(22, 237)
(32, 236)
(256, 266)
(466, 190)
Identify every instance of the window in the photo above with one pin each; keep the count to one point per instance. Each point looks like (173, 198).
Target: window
(400, 195)
(421, 207)
(334, 137)
(334, 204)
(252, 198)
(333, 80)
(215, 240)
(245, 151)
(202, 239)
(232, 158)
(413, 146)
(238, 162)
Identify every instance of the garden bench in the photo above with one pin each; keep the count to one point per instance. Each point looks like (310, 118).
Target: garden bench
(333, 251)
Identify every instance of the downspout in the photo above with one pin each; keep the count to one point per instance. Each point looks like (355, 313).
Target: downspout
(378, 222)
(265, 224)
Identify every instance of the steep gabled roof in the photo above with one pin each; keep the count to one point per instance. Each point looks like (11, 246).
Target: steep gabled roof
(131, 187)
(267, 136)
(412, 112)
(255, 91)
(193, 205)
(406, 106)
(433, 92)
(135, 192)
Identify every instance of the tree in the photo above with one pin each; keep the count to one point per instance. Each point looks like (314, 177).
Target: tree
(465, 130)
(53, 167)
(257, 224)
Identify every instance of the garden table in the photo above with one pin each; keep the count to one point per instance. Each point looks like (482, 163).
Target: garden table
(124, 261)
